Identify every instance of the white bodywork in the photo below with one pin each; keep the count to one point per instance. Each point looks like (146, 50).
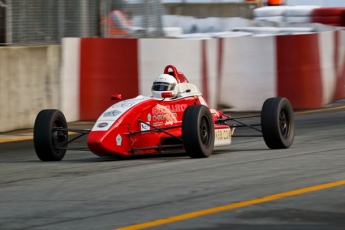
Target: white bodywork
(108, 118)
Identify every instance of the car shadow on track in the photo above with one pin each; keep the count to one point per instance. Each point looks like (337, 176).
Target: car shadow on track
(159, 156)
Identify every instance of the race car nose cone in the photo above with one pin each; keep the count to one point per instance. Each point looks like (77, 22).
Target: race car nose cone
(112, 142)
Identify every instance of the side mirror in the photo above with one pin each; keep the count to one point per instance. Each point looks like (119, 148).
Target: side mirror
(167, 94)
(116, 97)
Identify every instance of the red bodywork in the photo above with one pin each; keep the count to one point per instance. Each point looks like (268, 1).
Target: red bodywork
(138, 138)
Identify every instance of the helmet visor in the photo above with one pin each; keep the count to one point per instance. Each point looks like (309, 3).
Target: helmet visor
(163, 86)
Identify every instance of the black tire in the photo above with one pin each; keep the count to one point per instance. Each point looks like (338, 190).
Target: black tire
(198, 131)
(277, 123)
(47, 140)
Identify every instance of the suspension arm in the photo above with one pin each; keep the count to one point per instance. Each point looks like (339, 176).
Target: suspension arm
(161, 130)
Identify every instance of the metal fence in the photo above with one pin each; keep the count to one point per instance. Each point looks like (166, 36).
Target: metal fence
(33, 22)
(143, 17)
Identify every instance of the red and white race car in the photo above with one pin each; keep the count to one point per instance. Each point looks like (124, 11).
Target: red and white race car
(174, 117)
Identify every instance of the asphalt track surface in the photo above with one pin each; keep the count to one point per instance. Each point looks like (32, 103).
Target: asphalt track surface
(242, 186)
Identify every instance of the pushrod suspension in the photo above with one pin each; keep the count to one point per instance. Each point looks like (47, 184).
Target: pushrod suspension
(236, 120)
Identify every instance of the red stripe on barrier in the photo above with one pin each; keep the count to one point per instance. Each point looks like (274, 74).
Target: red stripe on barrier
(334, 20)
(328, 11)
(107, 66)
(219, 69)
(329, 15)
(298, 70)
(341, 82)
(204, 71)
(339, 91)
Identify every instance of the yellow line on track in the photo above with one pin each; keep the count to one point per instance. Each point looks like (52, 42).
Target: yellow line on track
(320, 110)
(16, 139)
(231, 206)
(25, 138)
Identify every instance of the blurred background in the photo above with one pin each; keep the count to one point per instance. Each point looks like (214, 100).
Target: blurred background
(24, 22)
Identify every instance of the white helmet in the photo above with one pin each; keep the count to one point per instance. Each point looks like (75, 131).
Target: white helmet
(164, 83)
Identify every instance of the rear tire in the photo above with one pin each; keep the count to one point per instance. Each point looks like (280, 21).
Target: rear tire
(277, 123)
(47, 141)
(198, 131)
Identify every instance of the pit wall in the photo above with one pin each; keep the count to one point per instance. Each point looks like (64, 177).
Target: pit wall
(29, 82)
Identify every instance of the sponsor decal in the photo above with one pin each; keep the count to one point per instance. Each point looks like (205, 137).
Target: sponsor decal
(167, 112)
(113, 113)
(102, 125)
(123, 105)
(144, 127)
(222, 137)
(158, 109)
(118, 140)
(222, 134)
(157, 124)
(128, 103)
(169, 122)
(165, 116)
(149, 117)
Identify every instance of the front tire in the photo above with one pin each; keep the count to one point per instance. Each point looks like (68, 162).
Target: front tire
(47, 140)
(198, 131)
(277, 123)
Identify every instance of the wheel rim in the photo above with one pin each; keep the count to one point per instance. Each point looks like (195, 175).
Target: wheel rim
(205, 134)
(284, 123)
(58, 136)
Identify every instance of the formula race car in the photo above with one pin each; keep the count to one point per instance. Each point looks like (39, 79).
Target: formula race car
(174, 117)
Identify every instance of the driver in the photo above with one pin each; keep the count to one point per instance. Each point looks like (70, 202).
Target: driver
(164, 83)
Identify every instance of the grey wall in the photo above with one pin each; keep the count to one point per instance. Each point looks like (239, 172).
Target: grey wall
(29, 82)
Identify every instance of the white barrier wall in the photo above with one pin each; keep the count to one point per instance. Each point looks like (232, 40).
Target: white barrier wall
(155, 54)
(29, 82)
(325, 3)
(328, 72)
(70, 71)
(249, 72)
(211, 89)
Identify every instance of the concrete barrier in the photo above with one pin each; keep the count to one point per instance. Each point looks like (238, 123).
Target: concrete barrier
(236, 73)
(248, 74)
(29, 82)
(70, 80)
